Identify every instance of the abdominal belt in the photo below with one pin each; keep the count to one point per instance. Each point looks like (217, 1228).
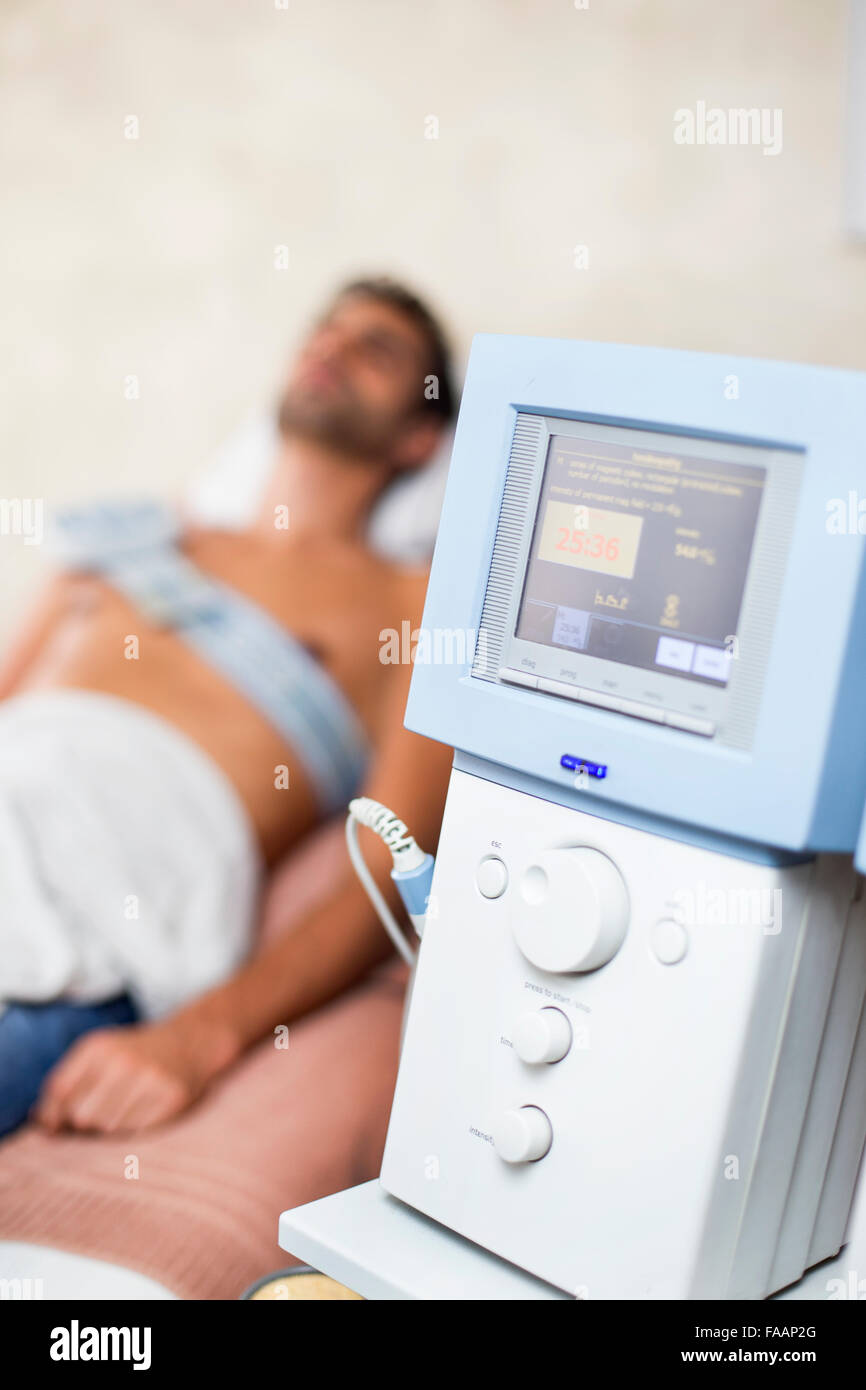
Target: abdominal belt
(134, 547)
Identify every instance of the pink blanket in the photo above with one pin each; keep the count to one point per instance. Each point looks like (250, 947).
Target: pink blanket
(195, 1204)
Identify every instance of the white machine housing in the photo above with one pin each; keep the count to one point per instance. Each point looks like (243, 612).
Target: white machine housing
(677, 1110)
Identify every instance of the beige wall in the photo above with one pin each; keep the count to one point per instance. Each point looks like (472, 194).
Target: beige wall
(262, 126)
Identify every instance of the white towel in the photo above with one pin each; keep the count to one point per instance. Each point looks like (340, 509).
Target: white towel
(127, 862)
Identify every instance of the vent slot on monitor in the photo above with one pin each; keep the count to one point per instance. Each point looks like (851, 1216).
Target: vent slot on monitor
(515, 514)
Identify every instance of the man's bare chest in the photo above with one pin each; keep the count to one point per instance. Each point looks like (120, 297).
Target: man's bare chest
(331, 599)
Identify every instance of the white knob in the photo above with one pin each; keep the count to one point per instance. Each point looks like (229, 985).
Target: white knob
(574, 910)
(522, 1135)
(544, 1035)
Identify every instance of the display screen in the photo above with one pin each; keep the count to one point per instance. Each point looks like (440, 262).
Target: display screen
(641, 557)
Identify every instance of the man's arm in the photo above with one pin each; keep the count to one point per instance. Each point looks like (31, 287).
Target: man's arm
(131, 1078)
(25, 646)
(342, 938)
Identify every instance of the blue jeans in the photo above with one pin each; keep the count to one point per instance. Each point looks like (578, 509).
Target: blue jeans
(35, 1036)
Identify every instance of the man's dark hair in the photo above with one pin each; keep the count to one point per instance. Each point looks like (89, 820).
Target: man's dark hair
(388, 291)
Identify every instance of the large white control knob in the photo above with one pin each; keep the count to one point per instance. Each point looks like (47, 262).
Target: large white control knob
(544, 1035)
(574, 910)
(522, 1135)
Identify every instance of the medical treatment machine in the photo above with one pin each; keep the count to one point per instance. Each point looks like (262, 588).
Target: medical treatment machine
(634, 1063)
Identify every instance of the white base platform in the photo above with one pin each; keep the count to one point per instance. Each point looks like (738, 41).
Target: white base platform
(383, 1249)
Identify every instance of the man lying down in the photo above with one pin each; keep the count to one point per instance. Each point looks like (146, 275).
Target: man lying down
(182, 708)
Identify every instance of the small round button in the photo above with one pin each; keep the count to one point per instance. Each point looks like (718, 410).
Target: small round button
(543, 1035)
(491, 877)
(669, 940)
(522, 1135)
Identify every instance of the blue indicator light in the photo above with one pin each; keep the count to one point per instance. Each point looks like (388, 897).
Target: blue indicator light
(573, 764)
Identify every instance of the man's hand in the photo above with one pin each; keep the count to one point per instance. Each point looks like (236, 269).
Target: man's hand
(117, 1079)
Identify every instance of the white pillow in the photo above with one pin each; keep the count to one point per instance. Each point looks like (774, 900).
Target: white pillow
(404, 521)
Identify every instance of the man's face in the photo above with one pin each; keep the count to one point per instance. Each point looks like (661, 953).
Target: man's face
(357, 383)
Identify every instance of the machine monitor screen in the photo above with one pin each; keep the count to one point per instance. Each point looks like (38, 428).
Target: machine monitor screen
(640, 556)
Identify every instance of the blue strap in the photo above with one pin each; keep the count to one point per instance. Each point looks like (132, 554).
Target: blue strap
(135, 548)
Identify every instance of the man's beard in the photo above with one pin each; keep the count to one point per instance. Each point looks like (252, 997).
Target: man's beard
(341, 424)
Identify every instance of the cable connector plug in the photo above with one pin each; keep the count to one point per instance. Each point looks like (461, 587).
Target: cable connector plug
(412, 869)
